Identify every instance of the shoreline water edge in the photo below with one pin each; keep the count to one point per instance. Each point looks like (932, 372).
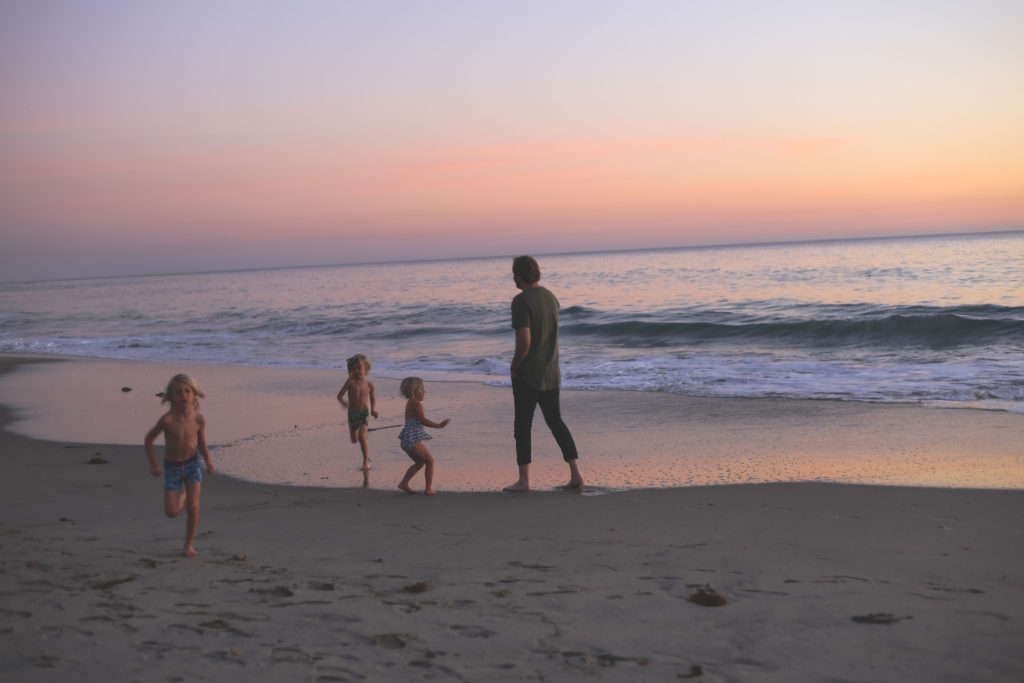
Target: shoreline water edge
(283, 426)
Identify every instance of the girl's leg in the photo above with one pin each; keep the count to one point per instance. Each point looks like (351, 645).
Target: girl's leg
(423, 457)
(411, 472)
(429, 474)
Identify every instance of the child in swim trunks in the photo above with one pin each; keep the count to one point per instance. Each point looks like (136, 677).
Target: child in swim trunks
(413, 435)
(361, 403)
(184, 431)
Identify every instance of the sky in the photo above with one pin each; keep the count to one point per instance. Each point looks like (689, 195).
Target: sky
(153, 137)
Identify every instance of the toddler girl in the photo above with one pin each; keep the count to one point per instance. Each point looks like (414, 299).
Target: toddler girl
(413, 435)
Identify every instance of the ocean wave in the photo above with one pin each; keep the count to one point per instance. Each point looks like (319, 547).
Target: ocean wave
(911, 327)
(906, 322)
(906, 378)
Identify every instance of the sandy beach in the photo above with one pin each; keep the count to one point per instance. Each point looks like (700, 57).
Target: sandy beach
(820, 582)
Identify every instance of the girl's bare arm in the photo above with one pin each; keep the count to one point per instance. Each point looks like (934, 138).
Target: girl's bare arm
(425, 421)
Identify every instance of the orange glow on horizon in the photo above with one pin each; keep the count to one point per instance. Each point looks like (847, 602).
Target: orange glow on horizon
(671, 182)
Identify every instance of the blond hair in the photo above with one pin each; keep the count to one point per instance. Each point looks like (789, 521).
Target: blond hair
(191, 383)
(409, 385)
(358, 359)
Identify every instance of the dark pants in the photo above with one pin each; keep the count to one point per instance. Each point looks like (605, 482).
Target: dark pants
(526, 400)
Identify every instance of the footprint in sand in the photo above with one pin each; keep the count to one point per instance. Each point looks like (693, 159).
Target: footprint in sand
(404, 606)
(559, 591)
(530, 565)
(276, 591)
(942, 588)
(46, 662)
(291, 655)
(471, 631)
(333, 674)
(604, 660)
(107, 585)
(879, 618)
(418, 587)
(391, 641)
(231, 656)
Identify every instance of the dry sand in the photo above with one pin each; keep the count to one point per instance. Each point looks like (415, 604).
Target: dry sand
(822, 582)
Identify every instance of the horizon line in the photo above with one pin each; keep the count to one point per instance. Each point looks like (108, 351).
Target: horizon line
(481, 257)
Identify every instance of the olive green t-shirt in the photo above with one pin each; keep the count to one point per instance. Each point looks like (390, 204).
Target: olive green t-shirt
(537, 308)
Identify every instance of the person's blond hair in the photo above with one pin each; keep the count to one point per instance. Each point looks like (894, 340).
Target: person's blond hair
(358, 359)
(184, 379)
(410, 385)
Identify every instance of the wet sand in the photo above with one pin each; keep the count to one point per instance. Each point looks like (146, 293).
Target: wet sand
(283, 425)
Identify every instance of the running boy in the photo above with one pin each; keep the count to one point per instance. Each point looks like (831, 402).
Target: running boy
(361, 403)
(184, 431)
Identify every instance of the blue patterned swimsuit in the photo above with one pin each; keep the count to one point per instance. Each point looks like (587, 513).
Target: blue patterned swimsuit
(412, 433)
(177, 473)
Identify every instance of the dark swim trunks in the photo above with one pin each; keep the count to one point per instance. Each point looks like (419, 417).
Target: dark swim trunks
(358, 419)
(178, 472)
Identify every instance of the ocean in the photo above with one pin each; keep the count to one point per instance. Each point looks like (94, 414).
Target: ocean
(925, 320)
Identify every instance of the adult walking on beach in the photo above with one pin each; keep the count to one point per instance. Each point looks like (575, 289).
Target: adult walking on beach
(536, 377)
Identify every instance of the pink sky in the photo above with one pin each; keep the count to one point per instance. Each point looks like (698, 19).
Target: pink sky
(141, 137)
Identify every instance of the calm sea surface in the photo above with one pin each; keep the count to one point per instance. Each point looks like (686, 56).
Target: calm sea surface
(916, 320)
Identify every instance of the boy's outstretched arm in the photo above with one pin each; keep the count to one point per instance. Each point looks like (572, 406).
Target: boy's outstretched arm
(341, 394)
(201, 444)
(154, 465)
(373, 401)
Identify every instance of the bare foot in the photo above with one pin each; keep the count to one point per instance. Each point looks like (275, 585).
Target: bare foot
(190, 551)
(518, 487)
(405, 487)
(430, 492)
(573, 484)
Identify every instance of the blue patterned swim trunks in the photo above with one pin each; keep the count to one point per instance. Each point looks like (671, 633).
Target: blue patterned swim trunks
(177, 473)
